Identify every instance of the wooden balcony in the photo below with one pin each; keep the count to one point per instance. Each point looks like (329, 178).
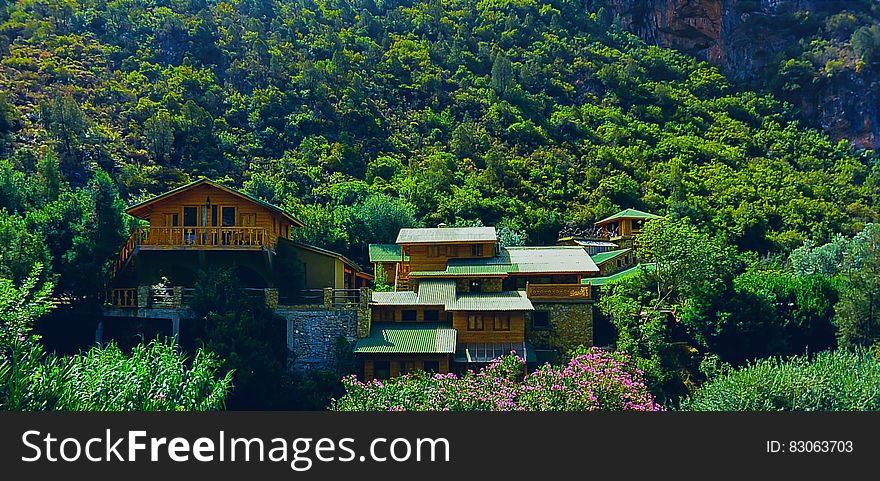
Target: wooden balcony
(204, 238)
(558, 292)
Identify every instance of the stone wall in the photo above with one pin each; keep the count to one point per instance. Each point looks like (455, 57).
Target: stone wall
(489, 284)
(571, 324)
(312, 335)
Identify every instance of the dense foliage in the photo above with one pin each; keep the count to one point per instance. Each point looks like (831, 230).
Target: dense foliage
(594, 379)
(830, 381)
(534, 113)
(153, 377)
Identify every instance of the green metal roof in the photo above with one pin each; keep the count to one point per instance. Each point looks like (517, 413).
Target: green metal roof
(408, 337)
(629, 214)
(385, 253)
(205, 180)
(466, 270)
(441, 292)
(495, 301)
(607, 256)
(601, 281)
(446, 234)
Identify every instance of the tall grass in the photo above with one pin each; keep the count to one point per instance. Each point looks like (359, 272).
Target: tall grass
(838, 380)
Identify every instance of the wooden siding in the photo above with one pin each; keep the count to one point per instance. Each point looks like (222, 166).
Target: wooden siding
(395, 313)
(420, 260)
(414, 361)
(247, 212)
(489, 334)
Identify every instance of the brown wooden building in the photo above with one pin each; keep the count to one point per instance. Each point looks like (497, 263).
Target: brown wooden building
(204, 224)
(460, 300)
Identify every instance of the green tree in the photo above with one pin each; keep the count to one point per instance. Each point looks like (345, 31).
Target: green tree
(858, 312)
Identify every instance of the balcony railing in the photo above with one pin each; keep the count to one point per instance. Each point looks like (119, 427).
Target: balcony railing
(210, 237)
(558, 291)
(126, 297)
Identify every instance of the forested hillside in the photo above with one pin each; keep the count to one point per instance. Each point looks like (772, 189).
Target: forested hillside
(363, 116)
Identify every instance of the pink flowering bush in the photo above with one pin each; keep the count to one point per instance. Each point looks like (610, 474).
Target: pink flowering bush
(593, 380)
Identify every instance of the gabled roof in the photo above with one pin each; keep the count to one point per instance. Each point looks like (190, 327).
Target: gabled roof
(629, 214)
(446, 234)
(133, 210)
(386, 253)
(601, 281)
(603, 257)
(327, 252)
(408, 337)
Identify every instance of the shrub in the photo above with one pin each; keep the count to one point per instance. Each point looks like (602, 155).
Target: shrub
(830, 381)
(594, 380)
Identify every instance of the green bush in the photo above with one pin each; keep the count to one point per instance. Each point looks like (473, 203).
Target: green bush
(829, 381)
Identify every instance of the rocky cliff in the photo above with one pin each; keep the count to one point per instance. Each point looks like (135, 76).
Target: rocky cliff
(750, 39)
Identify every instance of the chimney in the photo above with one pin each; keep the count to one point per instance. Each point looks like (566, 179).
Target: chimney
(441, 225)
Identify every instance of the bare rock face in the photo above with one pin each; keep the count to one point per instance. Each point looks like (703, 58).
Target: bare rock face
(746, 38)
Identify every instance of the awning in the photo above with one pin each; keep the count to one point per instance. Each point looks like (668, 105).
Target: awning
(408, 338)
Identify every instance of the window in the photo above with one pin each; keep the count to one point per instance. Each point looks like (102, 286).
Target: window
(502, 322)
(477, 250)
(190, 216)
(407, 366)
(432, 366)
(248, 220)
(381, 369)
(541, 319)
(228, 217)
(476, 285)
(213, 216)
(432, 315)
(408, 314)
(171, 220)
(475, 322)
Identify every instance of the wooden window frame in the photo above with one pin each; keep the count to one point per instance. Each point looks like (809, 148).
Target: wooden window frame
(477, 250)
(501, 322)
(476, 322)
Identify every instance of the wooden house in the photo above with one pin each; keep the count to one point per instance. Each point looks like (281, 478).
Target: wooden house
(204, 224)
(621, 227)
(460, 300)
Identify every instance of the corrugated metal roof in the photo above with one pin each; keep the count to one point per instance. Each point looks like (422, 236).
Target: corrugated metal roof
(495, 301)
(434, 292)
(607, 256)
(629, 214)
(402, 337)
(531, 260)
(535, 260)
(385, 252)
(601, 281)
(447, 234)
(398, 298)
(465, 270)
